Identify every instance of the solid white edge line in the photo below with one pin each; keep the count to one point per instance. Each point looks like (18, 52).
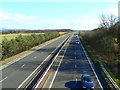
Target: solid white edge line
(91, 66)
(75, 66)
(36, 68)
(57, 68)
(76, 80)
(56, 71)
(6, 65)
(49, 67)
(35, 57)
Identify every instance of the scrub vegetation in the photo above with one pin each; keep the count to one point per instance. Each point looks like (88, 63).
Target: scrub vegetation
(21, 43)
(105, 43)
(13, 36)
(13, 42)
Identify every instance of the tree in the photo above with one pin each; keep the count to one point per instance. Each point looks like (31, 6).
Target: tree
(22, 43)
(107, 21)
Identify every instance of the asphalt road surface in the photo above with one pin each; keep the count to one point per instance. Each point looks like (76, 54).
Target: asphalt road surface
(14, 74)
(73, 65)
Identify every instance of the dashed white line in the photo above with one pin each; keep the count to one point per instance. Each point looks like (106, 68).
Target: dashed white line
(6, 65)
(32, 73)
(76, 80)
(57, 69)
(22, 65)
(36, 68)
(3, 79)
(35, 57)
(50, 66)
(75, 66)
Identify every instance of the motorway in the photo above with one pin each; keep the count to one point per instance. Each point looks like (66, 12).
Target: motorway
(15, 74)
(66, 73)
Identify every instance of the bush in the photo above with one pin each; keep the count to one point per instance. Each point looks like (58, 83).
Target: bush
(103, 43)
(22, 43)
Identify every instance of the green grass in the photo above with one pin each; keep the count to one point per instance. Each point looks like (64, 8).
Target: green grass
(12, 36)
(94, 57)
(12, 58)
(8, 36)
(99, 47)
(113, 76)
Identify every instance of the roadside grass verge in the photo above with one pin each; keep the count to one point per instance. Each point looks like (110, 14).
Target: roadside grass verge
(117, 81)
(7, 60)
(95, 59)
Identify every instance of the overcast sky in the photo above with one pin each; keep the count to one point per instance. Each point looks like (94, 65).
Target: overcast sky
(55, 15)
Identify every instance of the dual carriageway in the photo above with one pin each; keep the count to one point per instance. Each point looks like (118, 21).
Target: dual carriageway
(57, 65)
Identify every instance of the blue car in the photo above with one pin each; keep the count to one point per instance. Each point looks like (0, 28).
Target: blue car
(87, 82)
(77, 42)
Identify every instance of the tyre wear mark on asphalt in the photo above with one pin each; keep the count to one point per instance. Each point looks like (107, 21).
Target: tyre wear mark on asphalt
(59, 64)
(57, 69)
(91, 65)
(28, 54)
(54, 67)
(18, 74)
(73, 65)
(53, 61)
(39, 66)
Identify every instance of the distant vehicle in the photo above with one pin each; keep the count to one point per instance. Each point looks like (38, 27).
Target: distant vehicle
(76, 35)
(87, 82)
(77, 42)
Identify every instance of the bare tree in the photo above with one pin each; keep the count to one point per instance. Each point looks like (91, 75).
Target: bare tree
(107, 21)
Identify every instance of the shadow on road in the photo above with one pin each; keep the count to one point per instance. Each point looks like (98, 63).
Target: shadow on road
(73, 85)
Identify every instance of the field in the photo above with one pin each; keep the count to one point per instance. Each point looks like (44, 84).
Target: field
(12, 36)
(11, 46)
(61, 33)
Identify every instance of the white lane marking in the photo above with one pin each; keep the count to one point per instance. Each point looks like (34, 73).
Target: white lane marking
(35, 57)
(49, 67)
(6, 65)
(57, 69)
(37, 68)
(91, 66)
(3, 79)
(22, 65)
(76, 80)
(75, 66)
